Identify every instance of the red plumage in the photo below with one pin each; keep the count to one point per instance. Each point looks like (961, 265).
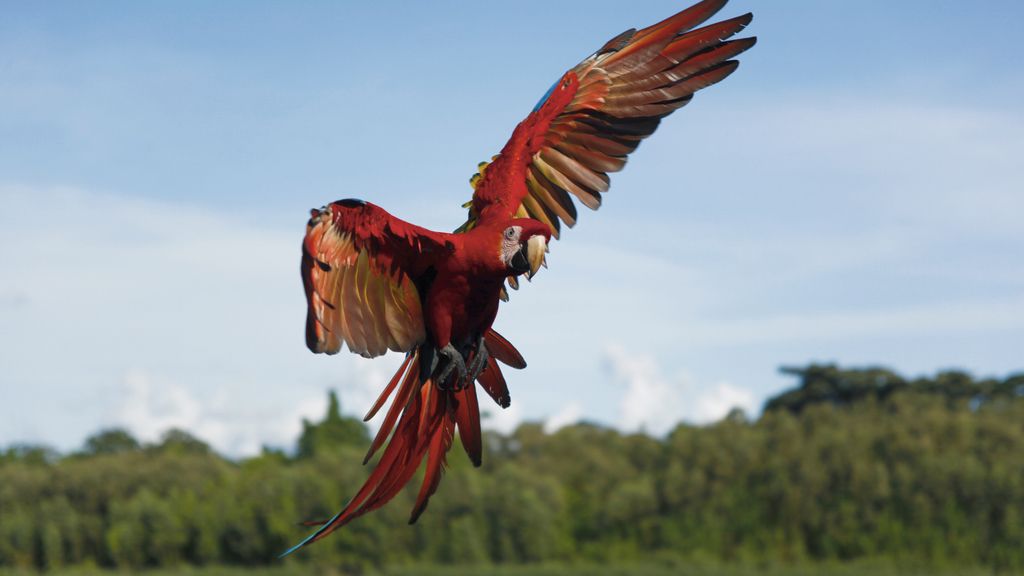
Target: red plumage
(377, 283)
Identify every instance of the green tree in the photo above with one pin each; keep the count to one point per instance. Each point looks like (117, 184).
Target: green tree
(145, 531)
(178, 441)
(333, 431)
(30, 454)
(111, 441)
(850, 464)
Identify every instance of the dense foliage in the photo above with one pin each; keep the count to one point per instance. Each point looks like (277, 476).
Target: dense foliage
(851, 464)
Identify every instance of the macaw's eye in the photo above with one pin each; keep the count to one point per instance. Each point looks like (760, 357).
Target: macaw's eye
(510, 233)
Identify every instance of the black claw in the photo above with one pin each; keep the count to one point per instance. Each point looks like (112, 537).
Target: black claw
(479, 362)
(455, 364)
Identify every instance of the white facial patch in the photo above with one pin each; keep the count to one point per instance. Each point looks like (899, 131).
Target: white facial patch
(510, 243)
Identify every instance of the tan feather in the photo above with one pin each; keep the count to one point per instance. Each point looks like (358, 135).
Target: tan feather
(589, 198)
(557, 200)
(538, 212)
(596, 161)
(577, 172)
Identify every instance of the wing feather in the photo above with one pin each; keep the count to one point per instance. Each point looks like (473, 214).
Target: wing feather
(555, 198)
(600, 111)
(594, 182)
(360, 266)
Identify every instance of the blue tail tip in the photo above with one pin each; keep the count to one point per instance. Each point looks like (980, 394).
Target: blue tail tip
(309, 538)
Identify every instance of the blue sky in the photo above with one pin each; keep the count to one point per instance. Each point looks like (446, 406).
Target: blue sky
(851, 194)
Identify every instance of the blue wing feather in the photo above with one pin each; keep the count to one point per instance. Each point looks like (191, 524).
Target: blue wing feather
(546, 95)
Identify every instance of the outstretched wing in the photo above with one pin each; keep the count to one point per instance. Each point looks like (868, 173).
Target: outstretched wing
(362, 269)
(598, 112)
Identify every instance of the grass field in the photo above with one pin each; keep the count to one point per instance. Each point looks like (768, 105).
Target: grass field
(858, 569)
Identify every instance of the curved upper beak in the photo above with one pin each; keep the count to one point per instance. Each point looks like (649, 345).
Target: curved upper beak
(536, 247)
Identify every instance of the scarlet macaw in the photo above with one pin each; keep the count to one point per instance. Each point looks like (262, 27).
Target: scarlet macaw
(378, 283)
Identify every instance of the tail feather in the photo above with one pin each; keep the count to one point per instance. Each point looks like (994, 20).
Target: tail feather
(467, 420)
(503, 350)
(494, 383)
(397, 465)
(399, 404)
(440, 443)
(431, 396)
(420, 423)
(409, 456)
(387, 390)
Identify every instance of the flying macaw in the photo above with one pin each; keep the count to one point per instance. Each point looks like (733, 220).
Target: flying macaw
(377, 283)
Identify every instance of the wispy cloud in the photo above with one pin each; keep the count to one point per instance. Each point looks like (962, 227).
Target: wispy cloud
(149, 406)
(154, 314)
(655, 403)
(718, 399)
(819, 204)
(568, 415)
(885, 229)
(500, 419)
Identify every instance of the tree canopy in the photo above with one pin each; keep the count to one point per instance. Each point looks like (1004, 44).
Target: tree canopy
(849, 464)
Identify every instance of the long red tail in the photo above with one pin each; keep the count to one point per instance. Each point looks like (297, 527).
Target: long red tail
(427, 418)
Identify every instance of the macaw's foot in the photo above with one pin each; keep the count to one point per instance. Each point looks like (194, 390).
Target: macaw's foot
(479, 362)
(453, 363)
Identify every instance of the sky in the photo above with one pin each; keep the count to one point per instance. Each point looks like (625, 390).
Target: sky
(852, 194)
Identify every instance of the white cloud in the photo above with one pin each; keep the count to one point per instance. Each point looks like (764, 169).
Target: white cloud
(152, 314)
(855, 231)
(499, 419)
(360, 385)
(718, 399)
(150, 405)
(654, 403)
(149, 408)
(282, 430)
(649, 401)
(769, 222)
(570, 414)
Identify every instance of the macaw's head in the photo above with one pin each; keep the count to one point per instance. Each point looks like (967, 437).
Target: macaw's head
(523, 244)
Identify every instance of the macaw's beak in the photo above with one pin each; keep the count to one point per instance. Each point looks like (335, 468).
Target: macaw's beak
(536, 247)
(530, 256)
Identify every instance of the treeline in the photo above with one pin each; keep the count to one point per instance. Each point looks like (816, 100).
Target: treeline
(847, 465)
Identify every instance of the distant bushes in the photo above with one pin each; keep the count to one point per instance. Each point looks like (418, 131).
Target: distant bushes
(848, 465)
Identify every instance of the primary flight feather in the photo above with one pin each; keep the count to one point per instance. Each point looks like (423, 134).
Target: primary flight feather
(376, 283)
